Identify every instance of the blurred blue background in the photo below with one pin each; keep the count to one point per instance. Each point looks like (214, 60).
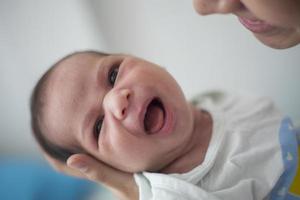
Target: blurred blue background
(31, 179)
(201, 52)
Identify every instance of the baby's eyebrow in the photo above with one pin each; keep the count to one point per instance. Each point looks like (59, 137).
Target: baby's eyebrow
(94, 111)
(100, 75)
(89, 115)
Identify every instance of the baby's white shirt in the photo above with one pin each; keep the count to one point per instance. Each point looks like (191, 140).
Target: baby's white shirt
(243, 160)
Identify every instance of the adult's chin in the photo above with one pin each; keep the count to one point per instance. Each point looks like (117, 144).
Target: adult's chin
(282, 40)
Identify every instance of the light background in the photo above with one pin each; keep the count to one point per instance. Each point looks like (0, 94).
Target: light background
(201, 52)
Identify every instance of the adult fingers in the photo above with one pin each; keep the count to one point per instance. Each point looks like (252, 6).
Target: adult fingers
(119, 182)
(62, 167)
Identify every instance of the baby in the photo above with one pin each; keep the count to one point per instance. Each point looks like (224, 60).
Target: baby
(132, 115)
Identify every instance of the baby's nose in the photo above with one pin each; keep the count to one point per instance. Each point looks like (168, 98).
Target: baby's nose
(117, 102)
(205, 7)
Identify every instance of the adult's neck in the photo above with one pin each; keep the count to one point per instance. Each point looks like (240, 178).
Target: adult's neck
(196, 147)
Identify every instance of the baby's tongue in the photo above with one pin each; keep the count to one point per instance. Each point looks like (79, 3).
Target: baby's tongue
(154, 118)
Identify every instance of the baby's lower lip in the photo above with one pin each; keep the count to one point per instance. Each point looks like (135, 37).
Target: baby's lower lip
(256, 25)
(169, 121)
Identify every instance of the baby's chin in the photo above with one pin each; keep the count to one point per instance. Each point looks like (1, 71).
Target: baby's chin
(138, 168)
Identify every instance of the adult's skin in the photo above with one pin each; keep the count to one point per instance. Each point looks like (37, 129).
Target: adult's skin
(276, 23)
(120, 183)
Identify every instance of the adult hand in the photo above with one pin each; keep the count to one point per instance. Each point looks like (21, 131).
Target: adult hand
(120, 183)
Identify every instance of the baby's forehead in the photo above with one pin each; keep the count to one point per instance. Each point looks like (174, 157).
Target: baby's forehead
(73, 69)
(66, 86)
(76, 61)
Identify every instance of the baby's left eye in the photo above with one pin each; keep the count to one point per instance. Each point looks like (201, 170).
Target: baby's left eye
(97, 127)
(112, 75)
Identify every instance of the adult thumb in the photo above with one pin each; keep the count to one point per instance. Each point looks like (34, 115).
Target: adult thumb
(119, 182)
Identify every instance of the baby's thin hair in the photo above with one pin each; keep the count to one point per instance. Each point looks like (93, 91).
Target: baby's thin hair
(37, 104)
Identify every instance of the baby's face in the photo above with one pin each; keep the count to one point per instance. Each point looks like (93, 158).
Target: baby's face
(123, 110)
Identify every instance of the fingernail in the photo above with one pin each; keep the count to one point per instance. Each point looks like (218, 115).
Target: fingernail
(78, 165)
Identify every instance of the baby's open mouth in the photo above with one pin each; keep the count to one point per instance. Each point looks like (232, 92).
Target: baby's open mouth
(154, 117)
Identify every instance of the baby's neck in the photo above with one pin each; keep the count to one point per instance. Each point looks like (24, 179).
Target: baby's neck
(197, 146)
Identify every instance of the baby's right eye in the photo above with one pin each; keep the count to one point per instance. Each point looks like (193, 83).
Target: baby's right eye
(112, 75)
(97, 127)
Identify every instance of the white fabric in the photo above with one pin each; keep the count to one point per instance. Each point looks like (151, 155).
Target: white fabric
(243, 160)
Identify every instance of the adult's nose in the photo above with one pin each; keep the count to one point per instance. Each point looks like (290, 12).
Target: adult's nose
(205, 7)
(116, 102)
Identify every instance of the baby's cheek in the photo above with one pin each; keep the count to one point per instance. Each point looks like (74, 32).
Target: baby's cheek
(137, 156)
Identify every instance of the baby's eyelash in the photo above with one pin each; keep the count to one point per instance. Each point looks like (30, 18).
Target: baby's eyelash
(112, 75)
(97, 127)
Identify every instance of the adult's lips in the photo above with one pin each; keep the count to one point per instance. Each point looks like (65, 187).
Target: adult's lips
(256, 25)
(155, 117)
